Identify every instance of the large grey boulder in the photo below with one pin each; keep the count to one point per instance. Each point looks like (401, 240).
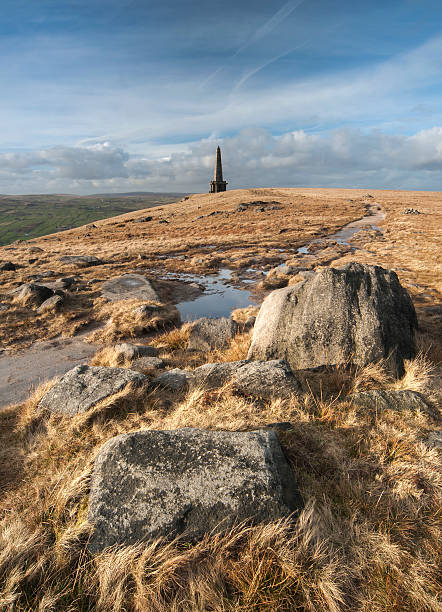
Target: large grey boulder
(206, 334)
(382, 399)
(356, 313)
(83, 387)
(82, 261)
(266, 379)
(128, 287)
(188, 481)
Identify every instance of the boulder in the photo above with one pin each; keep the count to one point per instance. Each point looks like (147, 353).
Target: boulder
(150, 483)
(206, 334)
(128, 287)
(8, 266)
(32, 294)
(356, 313)
(215, 375)
(266, 379)
(82, 261)
(133, 351)
(51, 304)
(146, 311)
(174, 380)
(381, 399)
(83, 387)
(146, 363)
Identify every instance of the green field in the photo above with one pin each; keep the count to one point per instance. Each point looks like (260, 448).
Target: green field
(29, 216)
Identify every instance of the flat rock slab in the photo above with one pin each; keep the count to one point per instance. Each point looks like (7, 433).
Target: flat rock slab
(380, 399)
(128, 287)
(82, 261)
(188, 481)
(83, 387)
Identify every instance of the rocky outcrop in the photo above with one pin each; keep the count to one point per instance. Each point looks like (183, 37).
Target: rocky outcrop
(188, 481)
(206, 334)
(356, 313)
(129, 287)
(83, 387)
(82, 261)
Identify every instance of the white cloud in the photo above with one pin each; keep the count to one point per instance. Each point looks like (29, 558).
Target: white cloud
(253, 157)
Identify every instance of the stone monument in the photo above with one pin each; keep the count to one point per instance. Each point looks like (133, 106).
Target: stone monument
(218, 184)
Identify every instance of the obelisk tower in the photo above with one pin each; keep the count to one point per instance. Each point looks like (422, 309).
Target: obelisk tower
(218, 184)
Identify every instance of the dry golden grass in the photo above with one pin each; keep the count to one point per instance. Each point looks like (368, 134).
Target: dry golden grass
(366, 540)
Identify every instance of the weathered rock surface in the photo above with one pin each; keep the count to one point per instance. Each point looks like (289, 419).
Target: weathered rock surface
(215, 375)
(146, 311)
(128, 287)
(435, 439)
(188, 481)
(206, 334)
(173, 380)
(266, 379)
(51, 304)
(32, 294)
(83, 387)
(133, 351)
(356, 313)
(381, 399)
(82, 261)
(146, 363)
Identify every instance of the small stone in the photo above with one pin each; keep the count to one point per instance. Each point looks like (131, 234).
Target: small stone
(380, 399)
(133, 351)
(145, 311)
(435, 439)
(51, 304)
(7, 266)
(173, 380)
(215, 375)
(147, 363)
(266, 379)
(206, 334)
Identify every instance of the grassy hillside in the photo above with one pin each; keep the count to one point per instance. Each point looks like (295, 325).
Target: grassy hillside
(30, 216)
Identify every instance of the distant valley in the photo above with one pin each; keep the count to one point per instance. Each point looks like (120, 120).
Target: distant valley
(29, 216)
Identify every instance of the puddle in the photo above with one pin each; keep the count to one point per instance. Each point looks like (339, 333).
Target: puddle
(344, 234)
(219, 298)
(303, 250)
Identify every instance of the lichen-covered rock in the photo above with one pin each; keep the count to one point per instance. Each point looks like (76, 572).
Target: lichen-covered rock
(266, 379)
(128, 287)
(383, 399)
(83, 387)
(133, 351)
(188, 481)
(206, 334)
(356, 313)
(82, 261)
(215, 375)
(51, 304)
(173, 380)
(142, 364)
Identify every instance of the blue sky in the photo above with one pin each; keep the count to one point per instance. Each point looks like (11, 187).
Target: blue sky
(125, 95)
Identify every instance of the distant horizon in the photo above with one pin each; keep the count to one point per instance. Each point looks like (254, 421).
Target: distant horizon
(136, 96)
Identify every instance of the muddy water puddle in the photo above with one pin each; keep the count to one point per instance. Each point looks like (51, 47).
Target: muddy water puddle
(220, 295)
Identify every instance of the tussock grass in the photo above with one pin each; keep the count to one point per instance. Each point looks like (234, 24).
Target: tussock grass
(121, 322)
